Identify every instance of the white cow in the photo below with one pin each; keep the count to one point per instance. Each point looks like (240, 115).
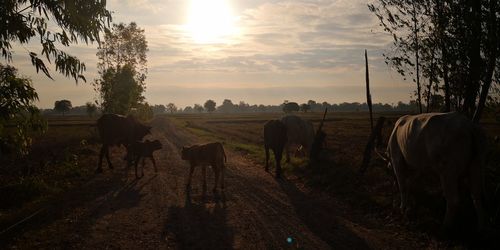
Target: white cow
(448, 144)
(299, 132)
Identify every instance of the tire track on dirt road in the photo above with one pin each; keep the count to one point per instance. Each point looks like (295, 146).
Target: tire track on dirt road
(255, 211)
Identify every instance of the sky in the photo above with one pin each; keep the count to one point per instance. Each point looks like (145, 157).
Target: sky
(260, 52)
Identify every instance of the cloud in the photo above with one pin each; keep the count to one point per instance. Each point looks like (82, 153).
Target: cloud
(287, 45)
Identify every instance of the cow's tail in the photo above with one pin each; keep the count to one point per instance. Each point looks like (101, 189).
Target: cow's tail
(479, 153)
(223, 153)
(382, 155)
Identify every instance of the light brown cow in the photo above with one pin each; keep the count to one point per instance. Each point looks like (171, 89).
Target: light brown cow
(448, 144)
(211, 154)
(299, 132)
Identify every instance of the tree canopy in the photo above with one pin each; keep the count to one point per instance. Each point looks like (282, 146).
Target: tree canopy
(453, 44)
(210, 106)
(76, 21)
(62, 106)
(18, 110)
(122, 69)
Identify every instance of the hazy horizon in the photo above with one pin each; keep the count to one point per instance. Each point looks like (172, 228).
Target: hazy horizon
(260, 52)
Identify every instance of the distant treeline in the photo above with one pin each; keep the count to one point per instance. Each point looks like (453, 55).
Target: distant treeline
(242, 107)
(228, 106)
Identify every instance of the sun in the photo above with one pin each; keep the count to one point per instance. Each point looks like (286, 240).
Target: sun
(210, 21)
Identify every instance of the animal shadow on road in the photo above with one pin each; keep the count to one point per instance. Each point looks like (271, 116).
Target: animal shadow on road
(199, 224)
(322, 219)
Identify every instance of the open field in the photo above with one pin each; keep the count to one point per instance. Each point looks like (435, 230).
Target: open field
(322, 205)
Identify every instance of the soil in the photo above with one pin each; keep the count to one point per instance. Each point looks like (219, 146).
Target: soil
(255, 211)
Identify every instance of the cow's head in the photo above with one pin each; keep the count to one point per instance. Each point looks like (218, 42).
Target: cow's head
(142, 130)
(157, 145)
(185, 153)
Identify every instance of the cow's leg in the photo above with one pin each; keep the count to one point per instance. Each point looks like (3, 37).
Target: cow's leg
(143, 163)
(135, 167)
(204, 173)
(449, 183)
(267, 157)
(154, 163)
(277, 157)
(400, 170)
(191, 170)
(222, 170)
(476, 194)
(217, 173)
(129, 156)
(101, 154)
(107, 157)
(287, 149)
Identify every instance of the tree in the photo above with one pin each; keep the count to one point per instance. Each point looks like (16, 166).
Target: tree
(171, 108)
(122, 68)
(62, 106)
(198, 108)
(209, 106)
(26, 21)
(54, 24)
(227, 106)
(188, 109)
(17, 110)
(290, 107)
(119, 91)
(142, 111)
(458, 46)
(305, 107)
(159, 109)
(91, 108)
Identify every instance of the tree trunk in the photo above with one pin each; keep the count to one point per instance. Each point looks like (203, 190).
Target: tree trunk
(474, 78)
(415, 30)
(376, 134)
(492, 57)
(368, 95)
(444, 55)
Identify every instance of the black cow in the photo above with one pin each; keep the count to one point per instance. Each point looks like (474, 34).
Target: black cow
(116, 130)
(275, 138)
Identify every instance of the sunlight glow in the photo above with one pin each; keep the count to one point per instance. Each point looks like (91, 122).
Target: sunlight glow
(210, 21)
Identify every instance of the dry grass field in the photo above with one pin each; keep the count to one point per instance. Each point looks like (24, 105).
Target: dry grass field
(63, 161)
(337, 172)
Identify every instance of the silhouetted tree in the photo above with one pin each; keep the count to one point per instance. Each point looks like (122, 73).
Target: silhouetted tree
(171, 108)
(122, 68)
(305, 107)
(62, 106)
(17, 106)
(458, 42)
(209, 106)
(188, 109)
(198, 108)
(290, 107)
(55, 24)
(159, 109)
(227, 106)
(91, 108)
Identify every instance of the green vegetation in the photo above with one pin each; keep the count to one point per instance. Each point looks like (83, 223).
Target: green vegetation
(20, 120)
(122, 69)
(61, 159)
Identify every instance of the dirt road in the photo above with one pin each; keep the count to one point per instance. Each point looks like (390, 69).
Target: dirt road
(256, 211)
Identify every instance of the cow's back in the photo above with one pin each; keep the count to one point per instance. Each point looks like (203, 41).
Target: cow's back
(211, 153)
(275, 134)
(115, 129)
(427, 139)
(298, 130)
